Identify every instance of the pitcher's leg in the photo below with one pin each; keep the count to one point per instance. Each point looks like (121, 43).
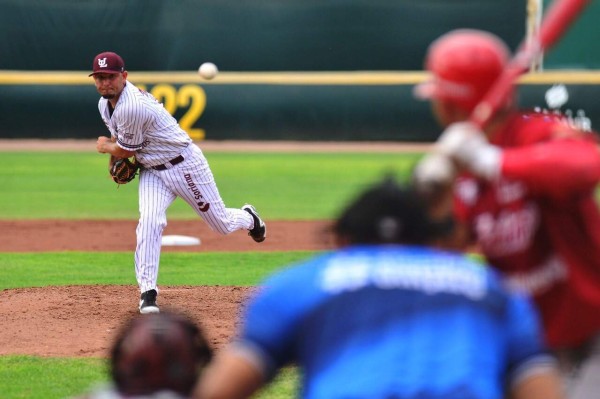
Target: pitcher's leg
(214, 212)
(154, 199)
(194, 182)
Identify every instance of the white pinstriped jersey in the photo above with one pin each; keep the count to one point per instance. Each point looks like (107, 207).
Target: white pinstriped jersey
(140, 123)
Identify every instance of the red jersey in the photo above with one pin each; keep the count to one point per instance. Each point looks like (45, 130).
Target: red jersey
(539, 223)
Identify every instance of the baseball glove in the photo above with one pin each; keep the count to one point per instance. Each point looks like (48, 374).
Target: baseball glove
(123, 170)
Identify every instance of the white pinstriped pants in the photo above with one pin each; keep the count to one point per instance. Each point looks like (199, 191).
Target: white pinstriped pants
(193, 181)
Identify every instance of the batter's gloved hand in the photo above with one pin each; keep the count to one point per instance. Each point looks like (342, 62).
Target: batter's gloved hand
(466, 144)
(123, 170)
(434, 169)
(432, 178)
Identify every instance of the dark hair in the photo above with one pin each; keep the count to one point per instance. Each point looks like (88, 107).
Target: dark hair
(158, 352)
(388, 212)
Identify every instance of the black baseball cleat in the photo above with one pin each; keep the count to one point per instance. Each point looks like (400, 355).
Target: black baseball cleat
(259, 231)
(148, 302)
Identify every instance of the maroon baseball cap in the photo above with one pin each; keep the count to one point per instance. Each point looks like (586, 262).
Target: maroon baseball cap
(108, 62)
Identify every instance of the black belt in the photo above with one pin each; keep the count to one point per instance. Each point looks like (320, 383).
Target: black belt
(172, 162)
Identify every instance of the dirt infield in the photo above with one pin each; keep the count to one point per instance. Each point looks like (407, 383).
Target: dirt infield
(78, 321)
(82, 320)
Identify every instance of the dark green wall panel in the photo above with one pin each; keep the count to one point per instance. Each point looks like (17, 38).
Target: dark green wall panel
(248, 35)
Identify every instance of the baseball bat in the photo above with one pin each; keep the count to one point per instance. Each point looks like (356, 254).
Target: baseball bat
(555, 23)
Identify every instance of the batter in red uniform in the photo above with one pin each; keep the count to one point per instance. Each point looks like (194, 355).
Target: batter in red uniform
(524, 192)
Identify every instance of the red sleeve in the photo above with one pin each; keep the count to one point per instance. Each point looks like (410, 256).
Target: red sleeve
(557, 168)
(460, 210)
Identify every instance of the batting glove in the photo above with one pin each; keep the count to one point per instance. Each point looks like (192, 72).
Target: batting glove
(433, 169)
(465, 143)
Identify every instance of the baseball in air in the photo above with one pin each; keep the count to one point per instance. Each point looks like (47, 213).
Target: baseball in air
(208, 70)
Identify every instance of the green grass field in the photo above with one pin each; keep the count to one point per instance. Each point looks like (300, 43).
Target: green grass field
(283, 186)
(290, 186)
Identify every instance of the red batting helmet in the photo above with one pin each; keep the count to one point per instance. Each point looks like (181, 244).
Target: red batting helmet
(464, 64)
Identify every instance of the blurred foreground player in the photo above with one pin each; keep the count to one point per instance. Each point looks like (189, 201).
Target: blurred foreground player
(158, 355)
(387, 316)
(524, 193)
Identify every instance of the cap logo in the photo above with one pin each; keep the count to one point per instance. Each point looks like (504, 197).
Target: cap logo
(102, 62)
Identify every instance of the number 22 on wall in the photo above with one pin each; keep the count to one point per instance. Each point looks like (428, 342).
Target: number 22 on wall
(188, 96)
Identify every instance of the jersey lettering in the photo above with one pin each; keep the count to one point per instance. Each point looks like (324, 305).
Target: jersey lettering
(511, 231)
(202, 206)
(540, 278)
(431, 278)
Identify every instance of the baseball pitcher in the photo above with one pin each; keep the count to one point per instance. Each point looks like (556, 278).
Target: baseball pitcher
(170, 166)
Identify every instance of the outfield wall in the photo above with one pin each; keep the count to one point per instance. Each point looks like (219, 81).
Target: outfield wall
(242, 35)
(318, 44)
(265, 35)
(260, 106)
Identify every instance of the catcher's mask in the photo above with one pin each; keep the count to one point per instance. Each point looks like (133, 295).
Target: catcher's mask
(158, 352)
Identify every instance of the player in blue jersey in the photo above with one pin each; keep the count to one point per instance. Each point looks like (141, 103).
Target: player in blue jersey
(388, 315)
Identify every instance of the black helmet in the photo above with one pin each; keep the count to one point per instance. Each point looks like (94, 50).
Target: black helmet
(388, 213)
